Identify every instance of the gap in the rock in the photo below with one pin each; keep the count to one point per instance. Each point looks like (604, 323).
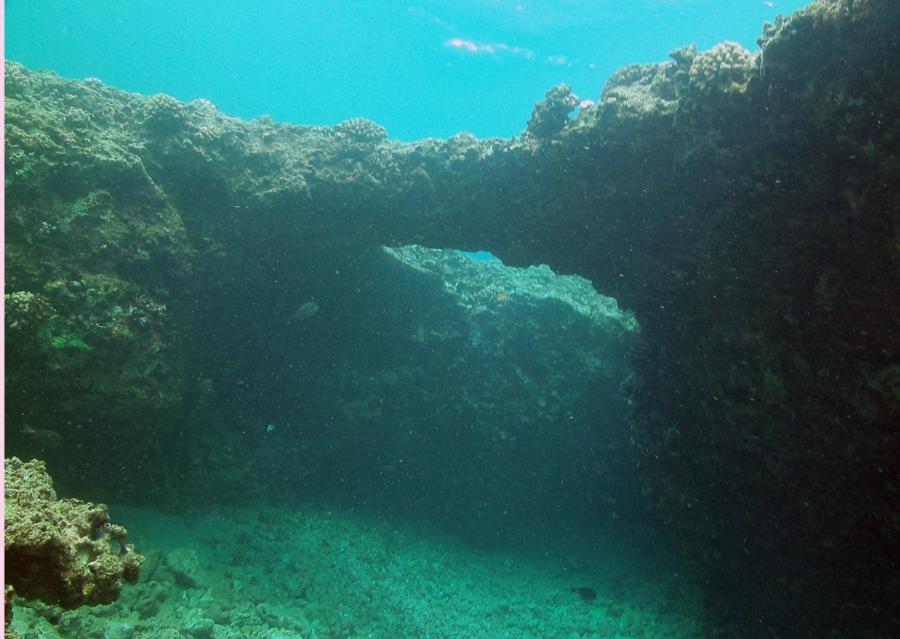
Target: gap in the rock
(448, 447)
(437, 385)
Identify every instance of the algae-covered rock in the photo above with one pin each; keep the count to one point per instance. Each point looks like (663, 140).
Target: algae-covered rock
(61, 551)
(725, 68)
(186, 568)
(639, 91)
(362, 130)
(551, 114)
(486, 285)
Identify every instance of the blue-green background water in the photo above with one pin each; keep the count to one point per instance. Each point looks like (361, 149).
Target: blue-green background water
(422, 68)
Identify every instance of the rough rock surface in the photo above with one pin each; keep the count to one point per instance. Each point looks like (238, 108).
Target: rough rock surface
(744, 210)
(551, 114)
(61, 551)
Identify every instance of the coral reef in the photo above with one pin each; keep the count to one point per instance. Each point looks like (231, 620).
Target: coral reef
(741, 207)
(725, 68)
(639, 91)
(551, 114)
(478, 286)
(362, 130)
(24, 309)
(61, 551)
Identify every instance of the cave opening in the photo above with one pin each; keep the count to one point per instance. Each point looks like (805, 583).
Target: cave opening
(431, 383)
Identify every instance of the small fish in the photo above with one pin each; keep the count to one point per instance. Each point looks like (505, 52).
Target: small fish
(304, 312)
(207, 387)
(586, 594)
(43, 437)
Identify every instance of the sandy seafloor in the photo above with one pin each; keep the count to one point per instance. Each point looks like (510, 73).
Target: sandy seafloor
(319, 573)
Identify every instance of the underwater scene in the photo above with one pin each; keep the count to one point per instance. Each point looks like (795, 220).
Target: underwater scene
(553, 330)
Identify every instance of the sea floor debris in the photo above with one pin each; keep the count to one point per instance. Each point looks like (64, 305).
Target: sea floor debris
(316, 573)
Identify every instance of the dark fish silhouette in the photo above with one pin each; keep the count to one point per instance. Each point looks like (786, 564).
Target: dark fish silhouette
(587, 594)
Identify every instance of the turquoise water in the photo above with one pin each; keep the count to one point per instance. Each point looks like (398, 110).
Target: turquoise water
(420, 69)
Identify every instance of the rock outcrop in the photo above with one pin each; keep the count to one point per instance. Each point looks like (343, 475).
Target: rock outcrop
(61, 551)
